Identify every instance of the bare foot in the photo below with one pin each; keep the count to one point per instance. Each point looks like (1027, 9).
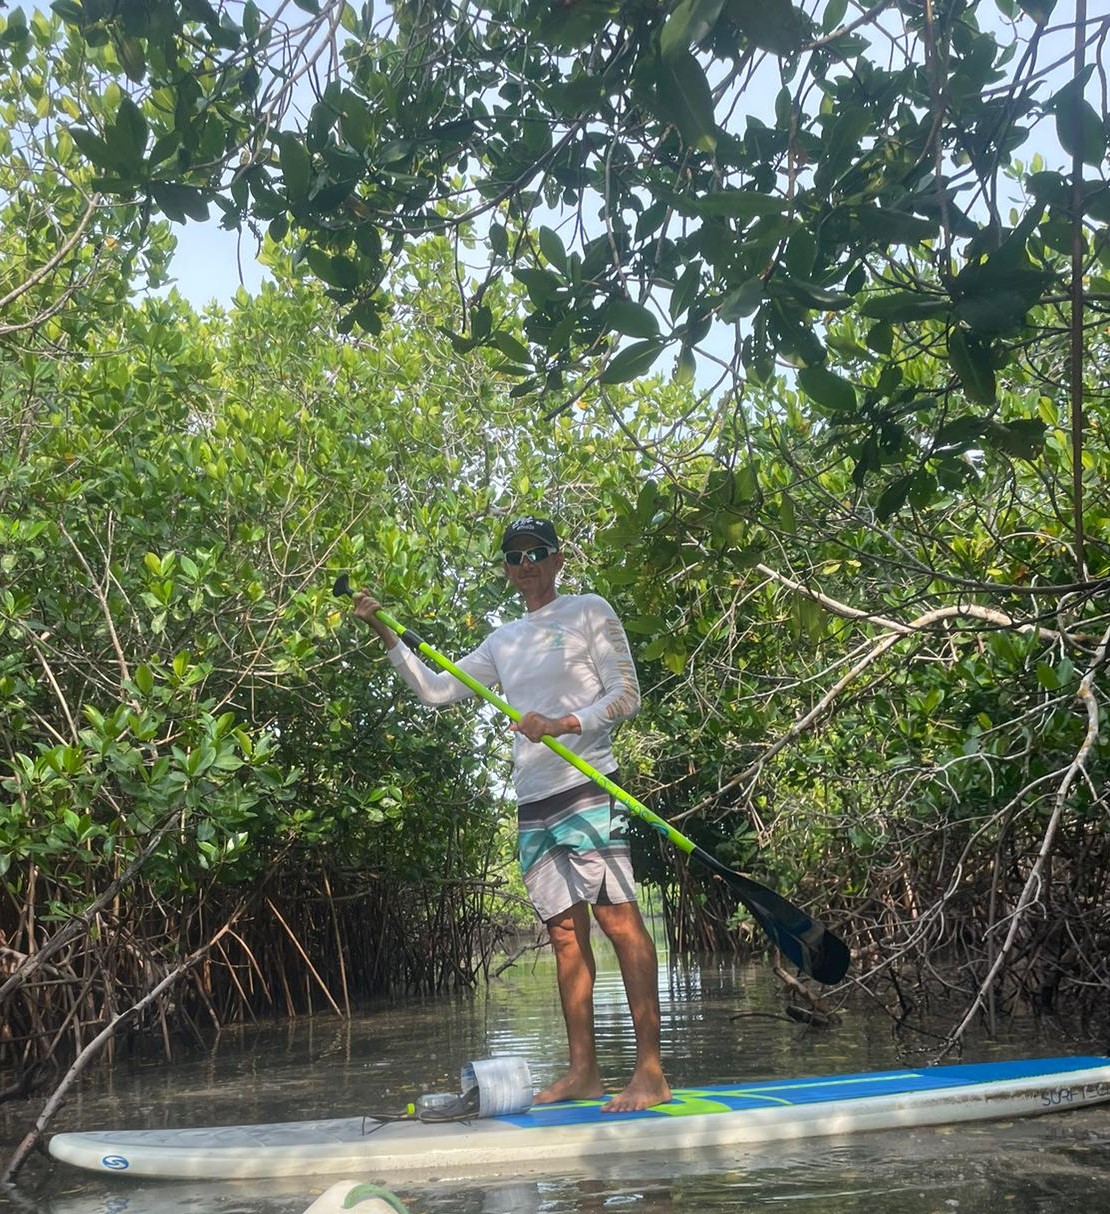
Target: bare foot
(571, 1087)
(646, 1089)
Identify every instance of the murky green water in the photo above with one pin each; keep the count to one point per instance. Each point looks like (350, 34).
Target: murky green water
(720, 1025)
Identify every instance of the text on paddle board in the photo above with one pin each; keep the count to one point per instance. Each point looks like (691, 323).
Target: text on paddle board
(1052, 1098)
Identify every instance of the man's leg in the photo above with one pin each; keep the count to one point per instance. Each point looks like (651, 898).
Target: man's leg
(575, 968)
(639, 964)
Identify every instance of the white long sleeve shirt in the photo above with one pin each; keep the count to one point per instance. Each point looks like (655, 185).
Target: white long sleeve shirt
(569, 656)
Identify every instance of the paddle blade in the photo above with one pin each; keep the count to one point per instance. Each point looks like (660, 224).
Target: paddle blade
(806, 942)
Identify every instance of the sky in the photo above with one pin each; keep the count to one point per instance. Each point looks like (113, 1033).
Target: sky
(208, 263)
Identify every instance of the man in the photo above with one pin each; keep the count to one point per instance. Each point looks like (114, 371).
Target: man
(567, 667)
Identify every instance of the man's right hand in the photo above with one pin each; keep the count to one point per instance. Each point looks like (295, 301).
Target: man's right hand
(365, 608)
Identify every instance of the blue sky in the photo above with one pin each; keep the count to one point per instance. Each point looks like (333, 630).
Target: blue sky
(208, 261)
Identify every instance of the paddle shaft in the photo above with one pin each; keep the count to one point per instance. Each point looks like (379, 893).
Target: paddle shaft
(754, 895)
(418, 645)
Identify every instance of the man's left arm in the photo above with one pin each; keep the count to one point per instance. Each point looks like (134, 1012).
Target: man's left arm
(612, 657)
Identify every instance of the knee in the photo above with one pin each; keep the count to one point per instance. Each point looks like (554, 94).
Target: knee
(565, 933)
(560, 935)
(621, 923)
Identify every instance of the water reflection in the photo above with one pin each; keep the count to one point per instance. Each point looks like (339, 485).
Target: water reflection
(721, 1022)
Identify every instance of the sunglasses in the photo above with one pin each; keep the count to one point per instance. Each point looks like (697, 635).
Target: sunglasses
(534, 555)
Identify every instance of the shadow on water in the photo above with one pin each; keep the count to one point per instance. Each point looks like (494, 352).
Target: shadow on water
(720, 1024)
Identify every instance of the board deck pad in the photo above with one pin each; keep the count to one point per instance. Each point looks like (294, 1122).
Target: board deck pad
(717, 1115)
(794, 1092)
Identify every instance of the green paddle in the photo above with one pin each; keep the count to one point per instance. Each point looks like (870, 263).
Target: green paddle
(809, 944)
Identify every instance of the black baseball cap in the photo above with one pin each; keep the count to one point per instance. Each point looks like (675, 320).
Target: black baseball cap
(540, 528)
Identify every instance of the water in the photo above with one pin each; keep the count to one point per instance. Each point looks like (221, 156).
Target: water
(721, 1023)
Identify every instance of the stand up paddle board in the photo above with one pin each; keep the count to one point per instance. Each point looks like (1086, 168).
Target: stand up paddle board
(575, 1130)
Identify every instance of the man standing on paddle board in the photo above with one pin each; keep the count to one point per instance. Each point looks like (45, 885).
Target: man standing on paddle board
(566, 664)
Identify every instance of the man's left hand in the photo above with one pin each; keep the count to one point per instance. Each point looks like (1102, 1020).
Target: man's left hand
(534, 726)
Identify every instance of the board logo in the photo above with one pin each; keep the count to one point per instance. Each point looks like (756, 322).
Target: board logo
(115, 1163)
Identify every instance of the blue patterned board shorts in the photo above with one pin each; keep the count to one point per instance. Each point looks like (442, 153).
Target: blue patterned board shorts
(573, 848)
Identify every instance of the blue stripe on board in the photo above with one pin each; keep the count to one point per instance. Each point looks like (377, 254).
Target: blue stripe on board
(726, 1098)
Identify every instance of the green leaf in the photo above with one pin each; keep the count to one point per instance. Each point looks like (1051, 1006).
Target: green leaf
(165, 147)
(841, 145)
(631, 319)
(740, 204)
(923, 489)
(686, 366)
(367, 316)
(510, 347)
(880, 338)
(646, 500)
(498, 240)
(581, 95)
(632, 362)
(296, 167)
(1081, 131)
(1047, 677)
(811, 295)
(92, 146)
(675, 660)
(905, 306)
(893, 497)
(1049, 187)
(1071, 91)
(653, 649)
(868, 459)
(993, 297)
(1023, 438)
(970, 358)
(541, 284)
(885, 225)
(202, 11)
(126, 138)
(828, 389)
(356, 122)
(1039, 10)
(959, 435)
(339, 272)
(16, 31)
(179, 202)
(771, 25)
(551, 246)
(683, 97)
(689, 24)
(70, 12)
(1096, 202)
(132, 56)
(833, 15)
(742, 301)
(685, 289)
(746, 482)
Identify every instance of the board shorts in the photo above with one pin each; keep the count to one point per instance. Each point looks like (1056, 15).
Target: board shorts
(574, 847)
